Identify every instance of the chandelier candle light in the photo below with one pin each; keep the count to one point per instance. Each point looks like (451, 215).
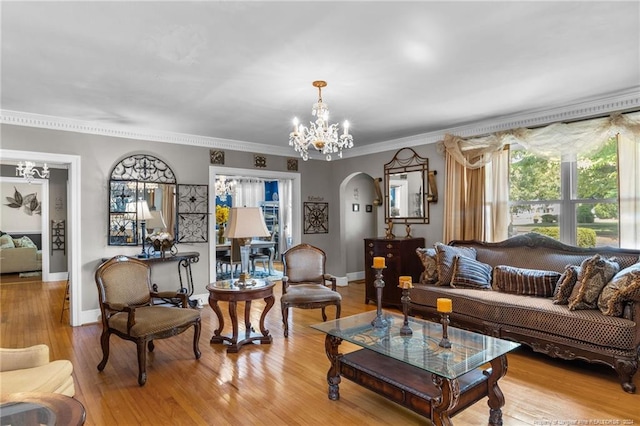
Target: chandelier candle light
(445, 307)
(379, 265)
(28, 171)
(321, 135)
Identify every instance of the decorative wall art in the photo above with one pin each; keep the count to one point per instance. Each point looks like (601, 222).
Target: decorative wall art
(28, 203)
(292, 164)
(316, 218)
(259, 161)
(58, 234)
(355, 207)
(369, 208)
(216, 157)
(193, 213)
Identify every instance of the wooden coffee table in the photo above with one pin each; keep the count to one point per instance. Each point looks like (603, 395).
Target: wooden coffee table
(414, 371)
(230, 291)
(26, 408)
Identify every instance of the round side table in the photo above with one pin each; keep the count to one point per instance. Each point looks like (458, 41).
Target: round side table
(34, 408)
(229, 291)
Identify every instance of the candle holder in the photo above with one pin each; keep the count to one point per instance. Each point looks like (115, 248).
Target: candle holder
(444, 319)
(405, 330)
(378, 321)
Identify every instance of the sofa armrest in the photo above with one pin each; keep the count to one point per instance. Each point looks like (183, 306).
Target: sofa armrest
(18, 359)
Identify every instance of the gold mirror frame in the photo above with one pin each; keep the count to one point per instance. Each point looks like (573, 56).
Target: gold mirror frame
(406, 188)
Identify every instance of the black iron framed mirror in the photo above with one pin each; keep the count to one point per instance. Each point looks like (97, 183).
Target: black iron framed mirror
(142, 188)
(406, 188)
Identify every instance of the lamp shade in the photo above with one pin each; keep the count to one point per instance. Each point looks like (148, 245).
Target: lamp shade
(142, 210)
(246, 222)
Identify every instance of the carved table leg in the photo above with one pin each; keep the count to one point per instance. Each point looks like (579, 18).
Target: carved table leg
(247, 318)
(216, 309)
(449, 395)
(331, 344)
(269, 303)
(233, 313)
(496, 398)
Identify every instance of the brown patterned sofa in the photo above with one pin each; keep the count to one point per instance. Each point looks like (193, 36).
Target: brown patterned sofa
(547, 327)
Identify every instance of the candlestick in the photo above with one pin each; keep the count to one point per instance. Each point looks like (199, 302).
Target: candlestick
(444, 305)
(378, 263)
(444, 319)
(378, 321)
(405, 330)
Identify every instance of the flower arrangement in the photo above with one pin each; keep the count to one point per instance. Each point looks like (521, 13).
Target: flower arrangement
(222, 214)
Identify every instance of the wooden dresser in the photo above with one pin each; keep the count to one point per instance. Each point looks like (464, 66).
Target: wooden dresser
(401, 259)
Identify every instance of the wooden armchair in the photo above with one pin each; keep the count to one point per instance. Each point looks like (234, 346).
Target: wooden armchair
(124, 289)
(304, 283)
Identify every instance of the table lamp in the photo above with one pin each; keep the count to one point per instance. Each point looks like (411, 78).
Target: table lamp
(142, 215)
(245, 223)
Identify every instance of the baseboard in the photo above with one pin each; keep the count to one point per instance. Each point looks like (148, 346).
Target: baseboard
(354, 276)
(342, 281)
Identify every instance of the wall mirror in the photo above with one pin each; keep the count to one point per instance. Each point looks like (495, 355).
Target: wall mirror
(135, 180)
(406, 194)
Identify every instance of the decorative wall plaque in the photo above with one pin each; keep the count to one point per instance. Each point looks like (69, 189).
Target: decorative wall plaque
(292, 164)
(316, 218)
(216, 156)
(260, 161)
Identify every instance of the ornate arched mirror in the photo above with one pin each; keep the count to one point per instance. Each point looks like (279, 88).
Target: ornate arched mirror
(406, 190)
(141, 188)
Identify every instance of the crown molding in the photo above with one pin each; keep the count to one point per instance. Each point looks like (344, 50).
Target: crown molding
(26, 119)
(624, 101)
(627, 100)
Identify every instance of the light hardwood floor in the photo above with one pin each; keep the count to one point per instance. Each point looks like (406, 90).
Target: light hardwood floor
(281, 383)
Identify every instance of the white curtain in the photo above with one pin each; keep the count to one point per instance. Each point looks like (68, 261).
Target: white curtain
(248, 192)
(629, 191)
(284, 209)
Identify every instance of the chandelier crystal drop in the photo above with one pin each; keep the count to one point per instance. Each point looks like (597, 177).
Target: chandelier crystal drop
(321, 135)
(29, 171)
(224, 187)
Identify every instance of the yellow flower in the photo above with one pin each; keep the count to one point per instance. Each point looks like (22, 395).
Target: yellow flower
(222, 214)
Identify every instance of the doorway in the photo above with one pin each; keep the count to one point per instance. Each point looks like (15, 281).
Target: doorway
(295, 214)
(72, 163)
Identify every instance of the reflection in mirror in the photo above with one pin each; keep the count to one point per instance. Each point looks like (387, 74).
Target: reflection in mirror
(140, 177)
(406, 188)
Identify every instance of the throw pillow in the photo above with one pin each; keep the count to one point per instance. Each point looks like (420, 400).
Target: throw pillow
(6, 242)
(428, 258)
(596, 273)
(625, 286)
(24, 242)
(530, 282)
(469, 273)
(565, 284)
(445, 257)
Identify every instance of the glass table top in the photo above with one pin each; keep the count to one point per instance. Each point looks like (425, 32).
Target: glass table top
(251, 283)
(468, 350)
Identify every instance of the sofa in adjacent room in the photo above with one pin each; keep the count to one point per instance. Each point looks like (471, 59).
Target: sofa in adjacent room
(563, 301)
(19, 254)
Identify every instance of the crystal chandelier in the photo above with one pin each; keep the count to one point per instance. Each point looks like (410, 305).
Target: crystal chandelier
(224, 187)
(29, 171)
(320, 135)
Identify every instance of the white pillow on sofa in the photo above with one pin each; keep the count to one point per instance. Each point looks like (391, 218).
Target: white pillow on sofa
(6, 242)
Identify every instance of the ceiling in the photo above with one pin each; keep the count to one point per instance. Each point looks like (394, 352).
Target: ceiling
(239, 72)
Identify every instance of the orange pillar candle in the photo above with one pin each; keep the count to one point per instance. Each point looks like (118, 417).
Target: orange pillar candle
(444, 305)
(405, 282)
(378, 262)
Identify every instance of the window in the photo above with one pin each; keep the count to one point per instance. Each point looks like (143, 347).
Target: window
(574, 200)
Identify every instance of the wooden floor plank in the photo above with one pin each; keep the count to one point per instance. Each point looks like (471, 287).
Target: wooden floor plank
(281, 383)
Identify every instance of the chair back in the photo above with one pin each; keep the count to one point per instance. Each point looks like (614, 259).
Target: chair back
(123, 280)
(304, 263)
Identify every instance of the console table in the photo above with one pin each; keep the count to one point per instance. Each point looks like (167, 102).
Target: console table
(414, 371)
(185, 260)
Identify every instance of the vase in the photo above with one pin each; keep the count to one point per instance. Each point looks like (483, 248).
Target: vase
(221, 238)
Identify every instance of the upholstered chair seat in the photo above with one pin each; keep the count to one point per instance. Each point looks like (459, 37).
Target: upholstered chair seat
(304, 284)
(126, 303)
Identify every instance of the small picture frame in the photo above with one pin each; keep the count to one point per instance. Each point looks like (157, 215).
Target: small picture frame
(368, 208)
(355, 207)
(292, 164)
